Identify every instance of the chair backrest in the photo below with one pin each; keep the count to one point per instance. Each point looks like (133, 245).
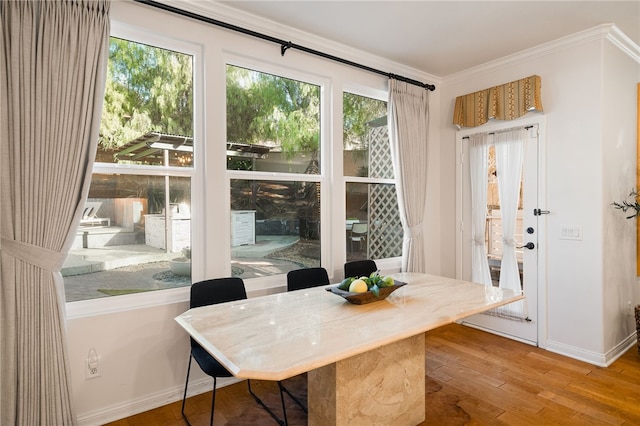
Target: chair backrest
(359, 268)
(91, 209)
(306, 278)
(359, 228)
(216, 290)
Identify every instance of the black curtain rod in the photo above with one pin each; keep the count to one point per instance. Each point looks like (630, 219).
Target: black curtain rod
(284, 45)
(493, 133)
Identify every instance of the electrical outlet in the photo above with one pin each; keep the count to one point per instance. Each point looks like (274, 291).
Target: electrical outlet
(92, 366)
(629, 308)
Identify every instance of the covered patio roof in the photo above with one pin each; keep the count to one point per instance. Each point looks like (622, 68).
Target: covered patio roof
(151, 148)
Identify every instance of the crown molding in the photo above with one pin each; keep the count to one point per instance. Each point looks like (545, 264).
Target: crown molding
(623, 42)
(224, 13)
(601, 32)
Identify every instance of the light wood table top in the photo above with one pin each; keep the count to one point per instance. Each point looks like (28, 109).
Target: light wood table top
(281, 335)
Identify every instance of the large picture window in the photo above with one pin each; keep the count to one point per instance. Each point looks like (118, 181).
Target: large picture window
(135, 233)
(283, 213)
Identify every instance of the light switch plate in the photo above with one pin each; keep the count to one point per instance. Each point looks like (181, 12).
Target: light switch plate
(571, 232)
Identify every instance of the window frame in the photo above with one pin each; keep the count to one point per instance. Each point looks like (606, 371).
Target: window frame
(212, 241)
(325, 143)
(91, 307)
(390, 262)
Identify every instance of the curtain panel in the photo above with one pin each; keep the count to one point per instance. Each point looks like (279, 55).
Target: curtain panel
(509, 146)
(53, 60)
(478, 172)
(408, 129)
(505, 102)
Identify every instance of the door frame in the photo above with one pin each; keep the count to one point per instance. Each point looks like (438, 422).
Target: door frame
(463, 254)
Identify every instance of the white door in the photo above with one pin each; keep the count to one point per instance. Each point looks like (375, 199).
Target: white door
(524, 325)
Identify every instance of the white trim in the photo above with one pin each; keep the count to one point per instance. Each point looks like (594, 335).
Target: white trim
(601, 32)
(151, 401)
(129, 302)
(624, 43)
(497, 333)
(596, 358)
(530, 119)
(259, 24)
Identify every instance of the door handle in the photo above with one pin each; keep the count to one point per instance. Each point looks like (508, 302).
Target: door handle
(529, 246)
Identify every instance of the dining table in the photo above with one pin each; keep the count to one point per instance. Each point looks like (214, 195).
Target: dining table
(365, 363)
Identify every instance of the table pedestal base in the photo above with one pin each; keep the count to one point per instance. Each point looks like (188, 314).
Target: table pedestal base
(384, 386)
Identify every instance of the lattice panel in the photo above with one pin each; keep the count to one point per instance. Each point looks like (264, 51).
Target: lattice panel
(385, 229)
(380, 164)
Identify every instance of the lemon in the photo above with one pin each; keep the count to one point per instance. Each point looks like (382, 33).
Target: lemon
(358, 286)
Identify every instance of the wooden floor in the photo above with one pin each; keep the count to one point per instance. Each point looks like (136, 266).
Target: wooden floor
(475, 378)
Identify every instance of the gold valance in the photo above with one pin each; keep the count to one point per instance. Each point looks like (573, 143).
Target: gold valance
(504, 102)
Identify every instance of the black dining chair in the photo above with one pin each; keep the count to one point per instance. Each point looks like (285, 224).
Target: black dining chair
(210, 292)
(306, 278)
(359, 268)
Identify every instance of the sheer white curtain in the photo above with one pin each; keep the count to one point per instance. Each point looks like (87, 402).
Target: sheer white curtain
(408, 128)
(478, 171)
(53, 58)
(509, 147)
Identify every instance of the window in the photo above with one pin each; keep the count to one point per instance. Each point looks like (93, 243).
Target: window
(273, 160)
(372, 223)
(135, 234)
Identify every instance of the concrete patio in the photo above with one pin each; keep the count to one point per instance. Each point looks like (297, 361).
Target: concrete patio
(91, 273)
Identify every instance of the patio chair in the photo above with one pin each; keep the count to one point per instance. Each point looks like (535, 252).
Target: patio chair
(89, 215)
(358, 234)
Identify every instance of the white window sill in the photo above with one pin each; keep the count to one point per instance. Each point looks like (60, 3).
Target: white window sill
(254, 287)
(113, 304)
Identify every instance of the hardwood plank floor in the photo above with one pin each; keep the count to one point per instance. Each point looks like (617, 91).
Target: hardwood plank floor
(473, 378)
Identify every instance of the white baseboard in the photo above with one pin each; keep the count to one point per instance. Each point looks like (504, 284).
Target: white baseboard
(149, 402)
(599, 359)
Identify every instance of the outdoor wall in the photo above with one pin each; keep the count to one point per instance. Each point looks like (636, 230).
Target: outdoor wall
(584, 103)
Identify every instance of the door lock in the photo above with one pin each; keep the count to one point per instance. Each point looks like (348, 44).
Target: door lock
(529, 246)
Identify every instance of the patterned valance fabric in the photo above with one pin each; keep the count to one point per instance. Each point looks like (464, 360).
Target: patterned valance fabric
(504, 102)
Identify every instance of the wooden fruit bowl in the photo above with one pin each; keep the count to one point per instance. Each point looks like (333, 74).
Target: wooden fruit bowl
(367, 296)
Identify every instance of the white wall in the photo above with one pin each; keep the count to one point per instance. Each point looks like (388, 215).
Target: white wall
(143, 353)
(584, 78)
(619, 287)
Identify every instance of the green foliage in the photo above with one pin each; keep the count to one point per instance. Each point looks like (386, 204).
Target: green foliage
(148, 89)
(630, 204)
(263, 107)
(151, 89)
(358, 111)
